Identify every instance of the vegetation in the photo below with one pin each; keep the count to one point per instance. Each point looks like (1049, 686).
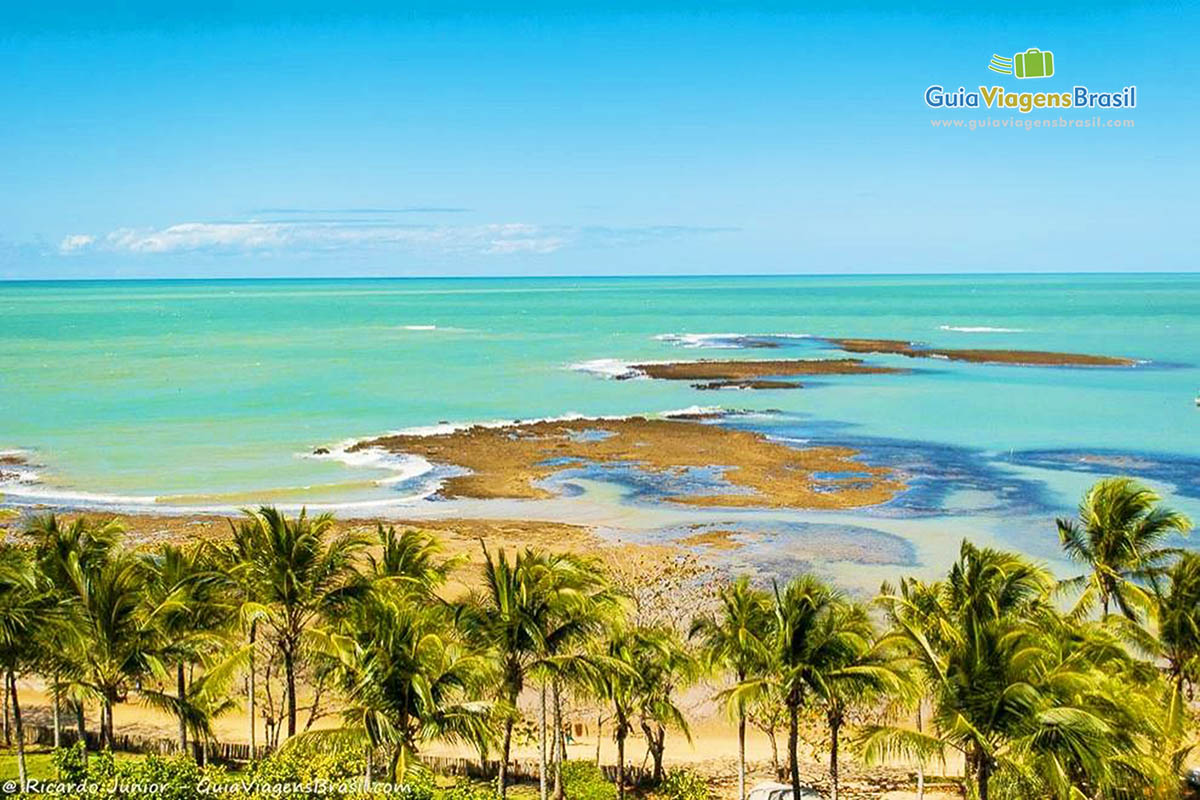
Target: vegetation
(1039, 689)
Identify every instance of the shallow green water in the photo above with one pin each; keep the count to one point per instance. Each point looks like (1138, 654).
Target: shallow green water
(211, 392)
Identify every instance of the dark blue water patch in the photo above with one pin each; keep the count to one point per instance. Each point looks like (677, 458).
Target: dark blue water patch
(644, 486)
(936, 474)
(1182, 472)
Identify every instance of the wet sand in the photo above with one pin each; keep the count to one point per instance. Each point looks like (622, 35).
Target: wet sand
(720, 539)
(509, 461)
(1023, 358)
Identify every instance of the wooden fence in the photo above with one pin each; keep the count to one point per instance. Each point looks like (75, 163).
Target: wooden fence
(43, 736)
(519, 769)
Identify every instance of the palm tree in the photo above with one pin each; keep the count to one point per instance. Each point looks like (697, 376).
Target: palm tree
(916, 618)
(1176, 611)
(618, 686)
(405, 674)
(735, 641)
(584, 605)
(664, 665)
(853, 671)
(1118, 537)
(108, 641)
(84, 542)
(506, 618)
(802, 612)
(205, 699)
(298, 575)
(1027, 696)
(113, 642)
(26, 604)
(411, 557)
(529, 610)
(982, 696)
(186, 585)
(238, 560)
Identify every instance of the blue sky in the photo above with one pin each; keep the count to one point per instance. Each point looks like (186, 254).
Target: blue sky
(259, 139)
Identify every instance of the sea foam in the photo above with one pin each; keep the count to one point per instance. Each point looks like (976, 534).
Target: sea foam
(612, 368)
(726, 341)
(978, 329)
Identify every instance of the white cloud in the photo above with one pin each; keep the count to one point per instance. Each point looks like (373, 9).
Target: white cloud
(78, 241)
(331, 236)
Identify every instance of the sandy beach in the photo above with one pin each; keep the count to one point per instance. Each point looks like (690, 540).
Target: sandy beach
(668, 583)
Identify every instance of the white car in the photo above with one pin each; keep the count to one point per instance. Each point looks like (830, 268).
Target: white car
(781, 791)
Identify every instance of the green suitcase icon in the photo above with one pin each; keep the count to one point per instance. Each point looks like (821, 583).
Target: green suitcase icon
(1033, 63)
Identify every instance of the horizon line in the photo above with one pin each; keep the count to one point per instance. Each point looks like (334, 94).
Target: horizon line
(561, 276)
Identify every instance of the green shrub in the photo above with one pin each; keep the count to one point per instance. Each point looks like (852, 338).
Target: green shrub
(465, 790)
(307, 764)
(167, 777)
(683, 784)
(71, 763)
(418, 784)
(583, 780)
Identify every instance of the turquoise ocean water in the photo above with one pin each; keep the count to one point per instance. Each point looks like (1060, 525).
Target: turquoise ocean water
(186, 394)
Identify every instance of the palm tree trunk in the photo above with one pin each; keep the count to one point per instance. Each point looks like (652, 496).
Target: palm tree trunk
(7, 718)
(22, 776)
(620, 760)
(741, 754)
(252, 692)
(181, 693)
(984, 775)
(599, 729)
(506, 748)
(502, 783)
(560, 742)
(774, 753)
(654, 747)
(793, 743)
(289, 669)
(367, 772)
(109, 733)
(835, 726)
(920, 764)
(80, 723)
(658, 743)
(542, 743)
(57, 714)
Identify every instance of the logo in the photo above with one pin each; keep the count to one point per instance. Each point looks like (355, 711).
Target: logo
(1033, 63)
